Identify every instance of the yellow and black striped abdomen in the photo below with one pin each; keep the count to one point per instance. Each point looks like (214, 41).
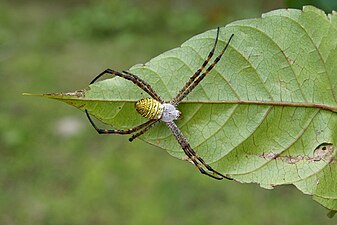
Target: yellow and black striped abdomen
(149, 108)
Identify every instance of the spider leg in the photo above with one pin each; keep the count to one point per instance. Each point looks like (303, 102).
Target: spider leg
(197, 73)
(135, 79)
(147, 86)
(192, 155)
(197, 164)
(208, 167)
(154, 122)
(128, 131)
(190, 88)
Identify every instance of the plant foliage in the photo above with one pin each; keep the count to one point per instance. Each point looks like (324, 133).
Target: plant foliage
(267, 113)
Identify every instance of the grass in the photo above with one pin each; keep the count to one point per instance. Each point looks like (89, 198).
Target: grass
(54, 169)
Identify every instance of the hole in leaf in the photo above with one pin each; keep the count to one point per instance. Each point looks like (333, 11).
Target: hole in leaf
(323, 151)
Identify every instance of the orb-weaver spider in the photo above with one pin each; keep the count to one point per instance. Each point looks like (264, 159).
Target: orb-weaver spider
(156, 110)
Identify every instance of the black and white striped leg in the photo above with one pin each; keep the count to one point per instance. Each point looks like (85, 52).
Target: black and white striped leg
(128, 131)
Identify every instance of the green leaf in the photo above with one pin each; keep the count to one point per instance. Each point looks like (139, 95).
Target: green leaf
(267, 113)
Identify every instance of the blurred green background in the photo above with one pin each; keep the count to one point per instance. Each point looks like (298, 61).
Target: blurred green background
(55, 169)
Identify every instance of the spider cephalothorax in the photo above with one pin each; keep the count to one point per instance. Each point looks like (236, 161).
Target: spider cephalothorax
(156, 110)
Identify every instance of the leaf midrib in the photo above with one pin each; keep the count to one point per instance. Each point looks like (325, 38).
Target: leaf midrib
(242, 102)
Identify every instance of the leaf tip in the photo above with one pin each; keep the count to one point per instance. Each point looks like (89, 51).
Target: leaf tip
(60, 95)
(76, 94)
(30, 94)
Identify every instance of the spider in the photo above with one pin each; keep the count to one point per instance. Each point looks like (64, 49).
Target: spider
(156, 109)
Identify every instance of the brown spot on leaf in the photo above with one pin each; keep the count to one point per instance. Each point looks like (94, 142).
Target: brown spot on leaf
(79, 94)
(291, 61)
(322, 152)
